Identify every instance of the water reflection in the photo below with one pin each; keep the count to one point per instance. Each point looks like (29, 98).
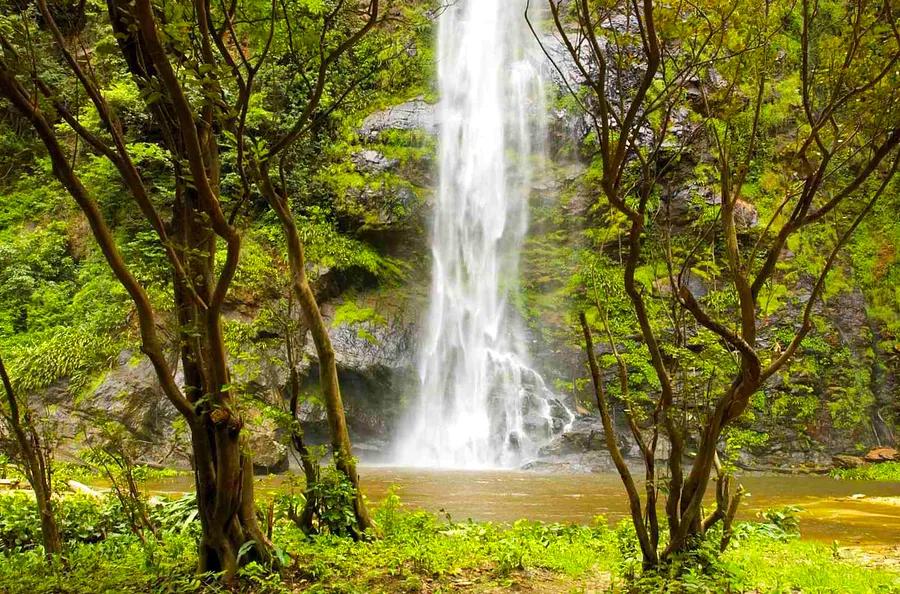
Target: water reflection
(830, 510)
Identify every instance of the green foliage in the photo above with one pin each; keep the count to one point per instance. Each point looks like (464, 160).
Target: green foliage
(883, 471)
(334, 495)
(784, 520)
(739, 439)
(766, 556)
(66, 353)
(36, 274)
(351, 314)
(82, 519)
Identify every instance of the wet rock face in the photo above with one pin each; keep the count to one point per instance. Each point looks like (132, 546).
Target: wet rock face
(387, 206)
(581, 449)
(376, 369)
(585, 434)
(370, 346)
(130, 395)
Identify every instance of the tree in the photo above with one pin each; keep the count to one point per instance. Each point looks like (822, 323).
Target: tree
(197, 68)
(329, 54)
(833, 165)
(35, 462)
(223, 472)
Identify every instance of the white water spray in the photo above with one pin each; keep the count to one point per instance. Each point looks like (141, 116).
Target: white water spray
(481, 405)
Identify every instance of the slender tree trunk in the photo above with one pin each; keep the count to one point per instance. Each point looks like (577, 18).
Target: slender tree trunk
(645, 539)
(311, 469)
(37, 469)
(331, 391)
(223, 472)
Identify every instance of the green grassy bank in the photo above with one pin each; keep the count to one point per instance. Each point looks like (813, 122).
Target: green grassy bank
(416, 552)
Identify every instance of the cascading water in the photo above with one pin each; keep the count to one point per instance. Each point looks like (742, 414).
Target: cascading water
(481, 405)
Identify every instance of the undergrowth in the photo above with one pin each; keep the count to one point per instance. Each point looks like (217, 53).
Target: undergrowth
(414, 552)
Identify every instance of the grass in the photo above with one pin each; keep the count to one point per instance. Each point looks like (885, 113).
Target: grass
(883, 471)
(771, 566)
(419, 552)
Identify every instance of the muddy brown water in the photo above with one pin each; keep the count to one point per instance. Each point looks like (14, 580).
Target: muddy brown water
(861, 513)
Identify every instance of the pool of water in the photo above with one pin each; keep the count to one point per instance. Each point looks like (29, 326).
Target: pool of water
(863, 513)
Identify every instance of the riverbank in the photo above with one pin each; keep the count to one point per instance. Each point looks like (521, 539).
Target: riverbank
(854, 513)
(418, 552)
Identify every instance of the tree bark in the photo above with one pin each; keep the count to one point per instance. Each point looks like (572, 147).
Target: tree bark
(311, 469)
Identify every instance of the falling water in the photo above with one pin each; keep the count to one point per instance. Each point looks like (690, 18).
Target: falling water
(481, 404)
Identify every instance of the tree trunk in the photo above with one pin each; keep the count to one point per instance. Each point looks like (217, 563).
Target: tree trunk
(37, 470)
(225, 500)
(645, 540)
(311, 469)
(331, 390)
(223, 473)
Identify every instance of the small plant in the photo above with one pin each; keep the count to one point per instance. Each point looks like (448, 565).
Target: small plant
(331, 498)
(784, 518)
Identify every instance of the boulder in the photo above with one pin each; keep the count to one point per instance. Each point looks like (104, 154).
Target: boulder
(412, 115)
(842, 461)
(581, 449)
(881, 455)
(585, 434)
(269, 454)
(371, 161)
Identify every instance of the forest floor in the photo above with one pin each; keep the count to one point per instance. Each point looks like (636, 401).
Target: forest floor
(526, 581)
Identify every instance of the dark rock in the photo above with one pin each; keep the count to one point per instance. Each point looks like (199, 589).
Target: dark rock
(575, 463)
(386, 206)
(581, 449)
(376, 370)
(585, 434)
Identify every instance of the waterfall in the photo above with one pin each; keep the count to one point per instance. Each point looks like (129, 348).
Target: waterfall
(481, 405)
